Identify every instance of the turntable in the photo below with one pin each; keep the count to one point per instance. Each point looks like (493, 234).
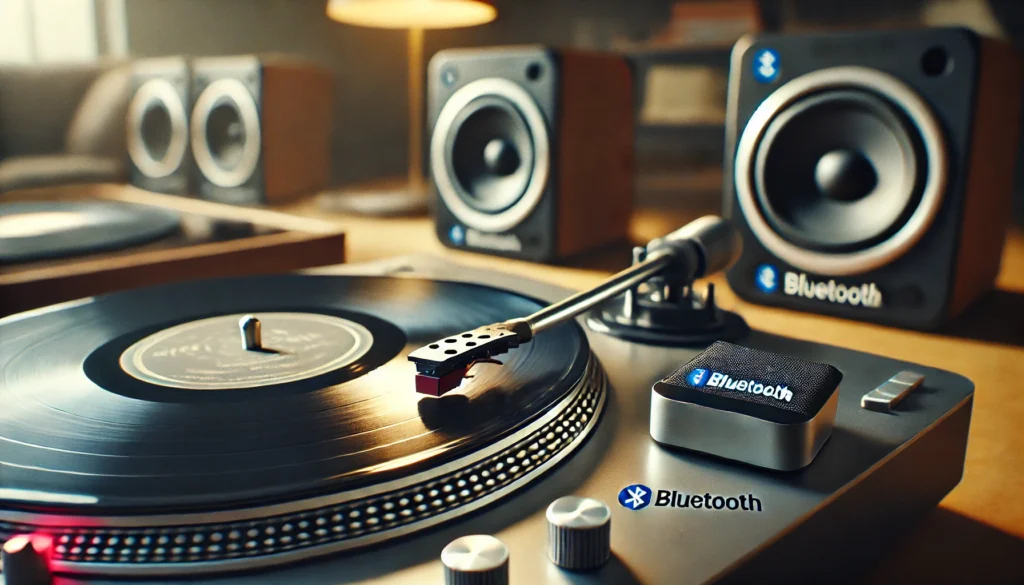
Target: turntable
(412, 421)
(66, 243)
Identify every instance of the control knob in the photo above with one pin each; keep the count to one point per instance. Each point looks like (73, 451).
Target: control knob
(579, 533)
(24, 560)
(477, 559)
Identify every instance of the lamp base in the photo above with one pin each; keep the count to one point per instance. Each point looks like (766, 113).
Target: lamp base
(383, 199)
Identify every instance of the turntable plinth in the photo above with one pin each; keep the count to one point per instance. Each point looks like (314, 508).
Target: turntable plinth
(984, 346)
(696, 545)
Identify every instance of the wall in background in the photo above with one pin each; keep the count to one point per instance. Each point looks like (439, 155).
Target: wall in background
(369, 65)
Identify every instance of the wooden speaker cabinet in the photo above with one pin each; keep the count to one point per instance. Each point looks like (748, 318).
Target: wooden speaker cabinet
(261, 128)
(531, 152)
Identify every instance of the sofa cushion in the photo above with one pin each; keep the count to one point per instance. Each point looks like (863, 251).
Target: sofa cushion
(98, 127)
(37, 104)
(27, 172)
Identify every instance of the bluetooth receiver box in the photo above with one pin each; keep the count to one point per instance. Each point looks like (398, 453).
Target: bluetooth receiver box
(747, 405)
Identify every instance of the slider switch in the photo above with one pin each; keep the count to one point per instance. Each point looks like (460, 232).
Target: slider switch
(579, 533)
(891, 392)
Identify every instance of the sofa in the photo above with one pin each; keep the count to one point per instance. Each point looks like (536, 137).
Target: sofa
(63, 124)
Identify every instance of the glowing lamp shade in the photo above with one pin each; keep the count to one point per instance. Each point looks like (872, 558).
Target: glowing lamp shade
(404, 14)
(415, 17)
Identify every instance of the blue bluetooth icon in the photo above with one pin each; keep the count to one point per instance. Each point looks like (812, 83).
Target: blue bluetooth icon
(766, 66)
(766, 278)
(457, 235)
(697, 377)
(635, 497)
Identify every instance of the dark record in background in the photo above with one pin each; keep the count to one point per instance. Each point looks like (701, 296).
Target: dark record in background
(58, 229)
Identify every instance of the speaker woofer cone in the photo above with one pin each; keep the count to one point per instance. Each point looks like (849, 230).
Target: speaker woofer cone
(226, 133)
(157, 129)
(841, 171)
(489, 154)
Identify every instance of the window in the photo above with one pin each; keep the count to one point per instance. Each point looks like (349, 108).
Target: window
(60, 31)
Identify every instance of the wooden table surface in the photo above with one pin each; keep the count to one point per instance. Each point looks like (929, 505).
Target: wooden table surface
(977, 534)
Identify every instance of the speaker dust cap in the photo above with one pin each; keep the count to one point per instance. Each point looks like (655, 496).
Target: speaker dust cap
(489, 154)
(841, 171)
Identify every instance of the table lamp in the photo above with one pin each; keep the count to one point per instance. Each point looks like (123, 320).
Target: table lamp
(416, 16)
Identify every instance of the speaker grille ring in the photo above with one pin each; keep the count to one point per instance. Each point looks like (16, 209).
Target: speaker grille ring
(489, 154)
(524, 104)
(933, 144)
(219, 94)
(151, 94)
(839, 171)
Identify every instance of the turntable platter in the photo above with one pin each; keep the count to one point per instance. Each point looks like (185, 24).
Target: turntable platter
(39, 231)
(164, 419)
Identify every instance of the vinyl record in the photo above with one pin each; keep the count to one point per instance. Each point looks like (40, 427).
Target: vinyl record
(44, 230)
(147, 402)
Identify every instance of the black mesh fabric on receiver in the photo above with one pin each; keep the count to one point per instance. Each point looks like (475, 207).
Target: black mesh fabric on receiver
(735, 378)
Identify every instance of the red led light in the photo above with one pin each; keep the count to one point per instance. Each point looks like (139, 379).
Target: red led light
(42, 543)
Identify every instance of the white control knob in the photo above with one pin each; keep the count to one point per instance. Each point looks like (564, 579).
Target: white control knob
(477, 559)
(579, 533)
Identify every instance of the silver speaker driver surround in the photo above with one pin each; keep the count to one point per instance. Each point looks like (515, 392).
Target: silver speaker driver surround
(880, 254)
(221, 92)
(524, 103)
(151, 93)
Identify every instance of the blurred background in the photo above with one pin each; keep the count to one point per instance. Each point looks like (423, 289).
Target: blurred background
(64, 88)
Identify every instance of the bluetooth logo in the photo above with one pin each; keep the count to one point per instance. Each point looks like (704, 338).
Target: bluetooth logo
(697, 377)
(635, 497)
(457, 235)
(767, 279)
(766, 66)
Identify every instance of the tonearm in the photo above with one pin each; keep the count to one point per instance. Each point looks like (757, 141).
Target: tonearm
(702, 247)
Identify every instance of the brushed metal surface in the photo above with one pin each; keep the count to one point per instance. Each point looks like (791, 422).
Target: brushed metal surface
(738, 437)
(891, 392)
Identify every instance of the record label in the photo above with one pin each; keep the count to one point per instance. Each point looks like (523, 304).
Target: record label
(209, 354)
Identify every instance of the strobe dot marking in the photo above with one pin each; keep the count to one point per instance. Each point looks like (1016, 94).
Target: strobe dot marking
(474, 482)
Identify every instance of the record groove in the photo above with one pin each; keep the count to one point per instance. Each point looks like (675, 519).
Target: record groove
(253, 541)
(330, 462)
